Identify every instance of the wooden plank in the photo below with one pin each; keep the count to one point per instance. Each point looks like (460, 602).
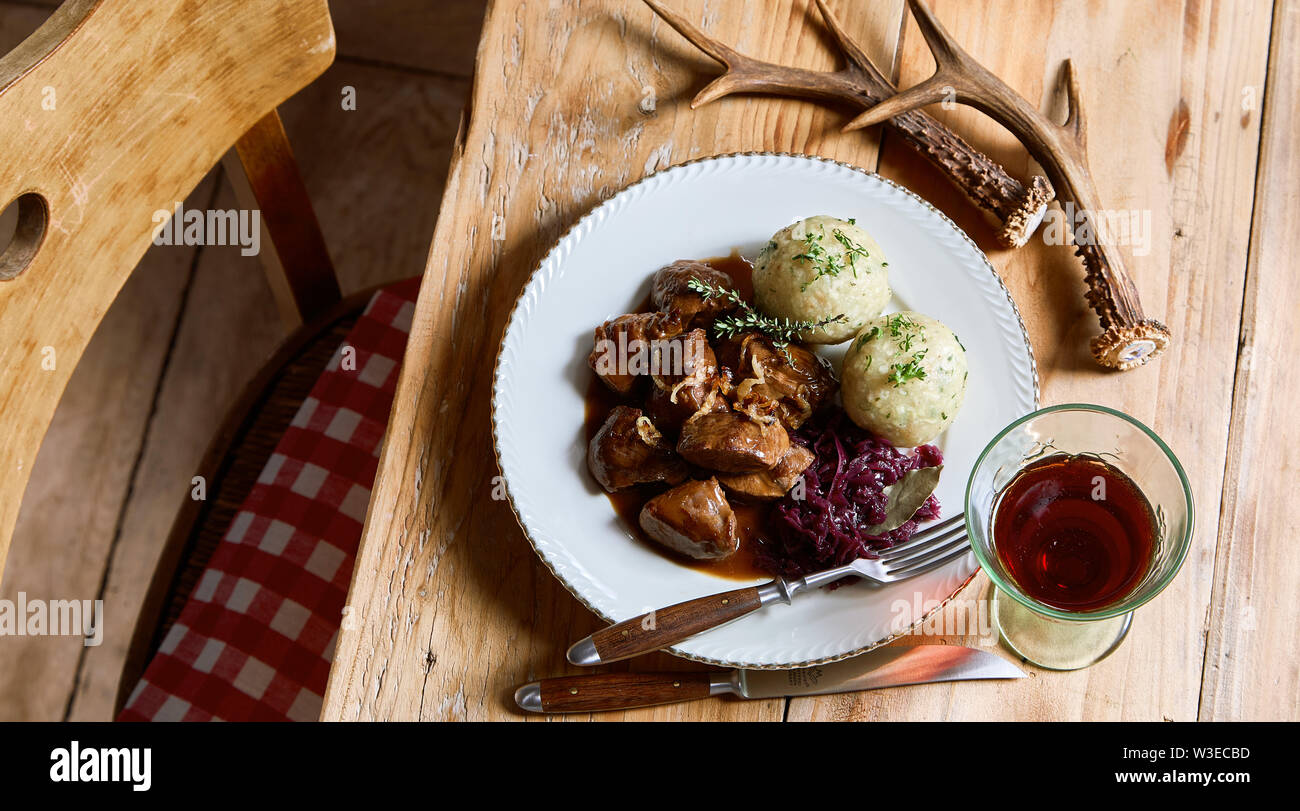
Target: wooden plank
(17, 22)
(1163, 86)
(1252, 661)
(451, 608)
(358, 168)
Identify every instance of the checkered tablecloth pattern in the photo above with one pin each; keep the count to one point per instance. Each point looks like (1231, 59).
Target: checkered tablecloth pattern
(255, 640)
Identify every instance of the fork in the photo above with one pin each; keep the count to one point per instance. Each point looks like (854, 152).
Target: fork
(929, 549)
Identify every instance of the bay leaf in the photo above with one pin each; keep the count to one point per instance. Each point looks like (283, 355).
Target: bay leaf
(906, 496)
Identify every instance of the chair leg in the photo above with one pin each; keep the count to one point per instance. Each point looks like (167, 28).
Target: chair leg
(298, 267)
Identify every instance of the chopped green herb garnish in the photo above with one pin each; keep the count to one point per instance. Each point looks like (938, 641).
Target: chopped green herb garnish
(868, 336)
(904, 330)
(905, 333)
(900, 373)
(899, 322)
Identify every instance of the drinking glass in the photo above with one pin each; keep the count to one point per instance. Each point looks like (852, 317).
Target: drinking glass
(1055, 638)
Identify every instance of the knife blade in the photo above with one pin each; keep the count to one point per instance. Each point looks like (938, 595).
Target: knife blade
(883, 667)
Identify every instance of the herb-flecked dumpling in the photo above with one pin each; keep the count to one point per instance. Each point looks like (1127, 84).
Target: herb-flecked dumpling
(904, 378)
(819, 268)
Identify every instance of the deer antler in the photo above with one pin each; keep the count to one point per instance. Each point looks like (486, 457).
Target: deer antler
(1018, 209)
(1128, 338)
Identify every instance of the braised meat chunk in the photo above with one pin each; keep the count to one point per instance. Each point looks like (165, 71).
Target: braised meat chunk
(671, 293)
(770, 484)
(686, 379)
(705, 403)
(693, 518)
(684, 359)
(797, 380)
(733, 442)
(629, 450)
(622, 353)
(671, 415)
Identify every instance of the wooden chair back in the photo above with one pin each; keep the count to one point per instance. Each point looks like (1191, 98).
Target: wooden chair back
(110, 112)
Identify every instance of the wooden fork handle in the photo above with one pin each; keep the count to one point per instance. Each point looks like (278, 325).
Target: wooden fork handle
(665, 626)
(613, 691)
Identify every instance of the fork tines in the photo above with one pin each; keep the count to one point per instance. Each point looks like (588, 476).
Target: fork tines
(928, 549)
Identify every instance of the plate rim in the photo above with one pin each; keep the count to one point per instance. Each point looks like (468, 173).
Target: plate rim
(580, 223)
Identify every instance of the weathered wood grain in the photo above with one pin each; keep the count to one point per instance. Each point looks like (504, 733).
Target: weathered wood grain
(450, 608)
(1252, 658)
(1141, 68)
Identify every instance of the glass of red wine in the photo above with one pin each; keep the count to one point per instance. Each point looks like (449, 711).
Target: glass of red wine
(1078, 514)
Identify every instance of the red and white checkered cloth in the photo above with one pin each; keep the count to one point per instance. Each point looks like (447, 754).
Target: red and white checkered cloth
(256, 638)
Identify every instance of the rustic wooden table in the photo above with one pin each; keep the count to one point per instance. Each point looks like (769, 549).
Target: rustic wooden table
(1191, 116)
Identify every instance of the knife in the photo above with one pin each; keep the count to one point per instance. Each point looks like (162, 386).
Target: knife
(883, 667)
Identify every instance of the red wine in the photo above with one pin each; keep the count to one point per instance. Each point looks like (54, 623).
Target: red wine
(1074, 533)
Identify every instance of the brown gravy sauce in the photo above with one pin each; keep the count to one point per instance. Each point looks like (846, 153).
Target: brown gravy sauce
(751, 518)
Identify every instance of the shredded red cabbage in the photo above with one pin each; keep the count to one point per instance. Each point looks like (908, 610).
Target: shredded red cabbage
(843, 493)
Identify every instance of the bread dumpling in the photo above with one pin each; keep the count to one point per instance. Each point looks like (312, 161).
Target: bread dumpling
(904, 378)
(819, 268)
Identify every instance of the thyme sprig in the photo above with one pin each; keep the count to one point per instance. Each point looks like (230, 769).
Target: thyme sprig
(782, 331)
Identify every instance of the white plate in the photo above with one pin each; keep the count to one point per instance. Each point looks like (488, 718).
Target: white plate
(601, 269)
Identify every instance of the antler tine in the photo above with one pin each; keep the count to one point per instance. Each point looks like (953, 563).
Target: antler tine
(947, 53)
(698, 38)
(744, 74)
(852, 51)
(1128, 339)
(951, 63)
(931, 91)
(724, 85)
(1075, 123)
(1017, 208)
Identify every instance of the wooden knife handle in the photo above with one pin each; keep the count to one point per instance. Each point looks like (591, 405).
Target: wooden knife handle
(612, 691)
(664, 627)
